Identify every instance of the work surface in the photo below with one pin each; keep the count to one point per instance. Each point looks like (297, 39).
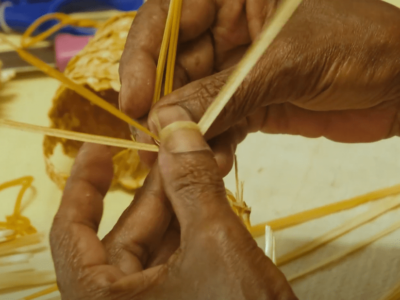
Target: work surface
(283, 175)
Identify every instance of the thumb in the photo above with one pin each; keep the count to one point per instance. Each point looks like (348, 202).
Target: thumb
(191, 178)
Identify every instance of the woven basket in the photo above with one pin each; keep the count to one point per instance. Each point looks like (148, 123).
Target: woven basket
(95, 67)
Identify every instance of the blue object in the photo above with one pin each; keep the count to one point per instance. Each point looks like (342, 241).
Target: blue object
(18, 15)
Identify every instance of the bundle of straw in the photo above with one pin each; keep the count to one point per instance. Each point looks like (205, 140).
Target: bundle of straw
(19, 242)
(95, 67)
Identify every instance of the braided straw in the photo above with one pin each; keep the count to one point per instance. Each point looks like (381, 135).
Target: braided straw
(95, 67)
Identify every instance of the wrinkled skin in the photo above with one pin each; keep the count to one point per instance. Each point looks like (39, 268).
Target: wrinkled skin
(333, 71)
(146, 256)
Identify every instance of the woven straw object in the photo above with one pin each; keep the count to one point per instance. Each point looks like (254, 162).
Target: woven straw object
(95, 67)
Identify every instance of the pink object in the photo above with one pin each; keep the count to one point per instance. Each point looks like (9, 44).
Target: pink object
(66, 47)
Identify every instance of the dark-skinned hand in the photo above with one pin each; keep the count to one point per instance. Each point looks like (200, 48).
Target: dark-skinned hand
(205, 252)
(333, 71)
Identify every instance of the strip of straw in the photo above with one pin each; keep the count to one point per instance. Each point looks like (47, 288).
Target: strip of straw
(173, 46)
(270, 244)
(23, 180)
(163, 53)
(77, 136)
(373, 213)
(15, 259)
(63, 20)
(13, 223)
(35, 248)
(345, 253)
(278, 21)
(81, 90)
(4, 234)
(393, 294)
(26, 240)
(41, 293)
(26, 184)
(20, 267)
(315, 213)
(27, 278)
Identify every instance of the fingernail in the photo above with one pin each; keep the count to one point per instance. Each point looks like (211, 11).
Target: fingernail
(183, 136)
(167, 115)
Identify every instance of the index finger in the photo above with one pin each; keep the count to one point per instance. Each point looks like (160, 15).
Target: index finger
(139, 60)
(73, 238)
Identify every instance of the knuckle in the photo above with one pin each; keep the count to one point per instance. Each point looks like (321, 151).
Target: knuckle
(242, 102)
(198, 179)
(114, 251)
(165, 5)
(200, 94)
(118, 247)
(208, 90)
(218, 233)
(196, 184)
(203, 92)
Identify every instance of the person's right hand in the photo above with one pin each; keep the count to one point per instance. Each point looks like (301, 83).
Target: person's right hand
(333, 71)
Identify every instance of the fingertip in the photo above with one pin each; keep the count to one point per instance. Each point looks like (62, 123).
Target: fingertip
(224, 147)
(137, 86)
(146, 157)
(82, 199)
(224, 161)
(197, 17)
(90, 154)
(163, 116)
(93, 164)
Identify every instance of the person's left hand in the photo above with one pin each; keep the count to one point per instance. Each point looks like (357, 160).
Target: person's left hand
(146, 256)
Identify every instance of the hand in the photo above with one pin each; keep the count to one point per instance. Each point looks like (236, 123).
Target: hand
(333, 71)
(145, 256)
